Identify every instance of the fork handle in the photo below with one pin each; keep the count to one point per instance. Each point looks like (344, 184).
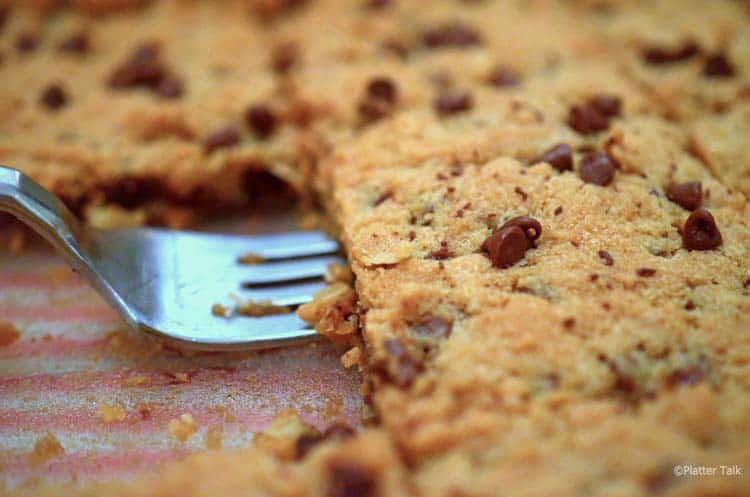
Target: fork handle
(43, 212)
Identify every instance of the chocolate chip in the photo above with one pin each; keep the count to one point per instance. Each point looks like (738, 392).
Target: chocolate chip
(661, 55)
(383, 89)
(700, 231)
(170, 87)
(453, 34)
(718, 66)
(261, 120)
(347, 479)
(687, 195)
(685, 376)
(597, 168)
(268, 11)
(406, 368)
(377, 4)
(503, 77)
(521, 193)
(587, 118)
(225, 137)
(432, 327)
(607, 105)
(53, 97)
(27, 41)
(689, 305)
(440, 254)
(530, 226)
(143, 67)
(77, 43)
(284, 57)
(606, 257)
(382, 198)
(306, 442)
(645, 272)
(624, 383)
(559, 156)
(451, 102)
(506, 246)
(558, 210)
(370, 110)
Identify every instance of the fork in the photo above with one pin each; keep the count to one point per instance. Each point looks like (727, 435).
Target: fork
(164, 282)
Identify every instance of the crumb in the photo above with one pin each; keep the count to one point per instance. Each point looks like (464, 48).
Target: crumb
(137, 380)
(351, 357)
(8, 334)
(181, 377)
(250, 258)
(281, 435)
(46, 448)
(263, 308)
(221, 311)
(110, 413)
(250, 308)
(60, 275)
(213, 437)
(334, 407)
(332, 312)
(183, 427)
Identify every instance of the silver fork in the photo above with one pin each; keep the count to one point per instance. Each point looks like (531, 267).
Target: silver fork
(165, 282)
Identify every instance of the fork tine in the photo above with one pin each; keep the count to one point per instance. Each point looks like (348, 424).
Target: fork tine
(280, 271)
(285, 295)
(292, 244)
(272, 246)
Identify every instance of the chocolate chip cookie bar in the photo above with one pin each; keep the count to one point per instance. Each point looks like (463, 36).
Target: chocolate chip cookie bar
(160, 104)
(574, 318)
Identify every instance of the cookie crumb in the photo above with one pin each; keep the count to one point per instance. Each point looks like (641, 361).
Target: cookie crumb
(137, 380)
(213, 438)
(221, 311)
(183, 427)
(9, 334)
(332, 311)
(262, 308)
(250, 258)
(351, 357)
(46, 448)
(110, 413)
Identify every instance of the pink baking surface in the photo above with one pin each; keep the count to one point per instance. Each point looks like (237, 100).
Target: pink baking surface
(74, 355)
